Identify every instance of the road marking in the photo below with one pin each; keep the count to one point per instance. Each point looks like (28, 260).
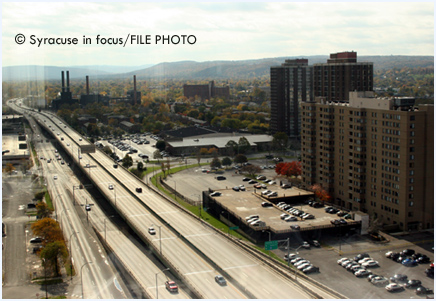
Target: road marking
(194, 235)
(139, 215)
(167, 212)
(200, 272)
(242, 266)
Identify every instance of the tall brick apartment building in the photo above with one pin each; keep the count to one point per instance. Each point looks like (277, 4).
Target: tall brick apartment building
(206, 91)
(373, 155)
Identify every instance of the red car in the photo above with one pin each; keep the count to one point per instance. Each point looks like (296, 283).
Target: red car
(171, 286)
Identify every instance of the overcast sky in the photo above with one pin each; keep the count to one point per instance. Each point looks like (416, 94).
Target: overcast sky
(223, 30)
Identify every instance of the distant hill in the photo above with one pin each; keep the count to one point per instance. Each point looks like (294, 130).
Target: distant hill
(242, 69)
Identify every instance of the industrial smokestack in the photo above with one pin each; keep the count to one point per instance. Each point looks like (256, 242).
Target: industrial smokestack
(134, 89)
(68, 81)
(87, 85)
(63, 81)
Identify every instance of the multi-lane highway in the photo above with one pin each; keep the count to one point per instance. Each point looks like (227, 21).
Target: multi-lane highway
(193, 251)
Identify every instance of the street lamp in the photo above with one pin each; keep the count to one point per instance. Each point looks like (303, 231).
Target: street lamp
(105, 226)
(157, 291)
(81, 277)
(71, 256)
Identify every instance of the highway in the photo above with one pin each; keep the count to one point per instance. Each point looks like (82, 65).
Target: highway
(194, 251)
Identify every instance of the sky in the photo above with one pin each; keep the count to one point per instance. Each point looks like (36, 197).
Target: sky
(216, 31)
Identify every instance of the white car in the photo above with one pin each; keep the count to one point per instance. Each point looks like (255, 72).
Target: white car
(55, 177)
(256, 223)
(371, 263)
(340, 261)
(271, 194)
(152, 231)
(215, 193)
(265, 192)
(251, 216)
(111, 187)
(365, 260)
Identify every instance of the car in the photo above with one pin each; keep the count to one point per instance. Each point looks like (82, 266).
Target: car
(290, 256)
(354, 267)
(423, 259)
(361, 256)
(311, 269)
(340, 261)
(246, 179)
(236, 188)
(80, 139)
(420, 290)
(115, 165)
(296, 259)
(398, 278)
(429, 272)
(308, 216)
(220, 178)
(252, 182)
(291, 219)
(88, 207)
(265, 192)
(362, 273)
(272, 194)
(171, 286)
(284, 215)
(216, 193)
(267, 204)
(151, 230)
(318, 205)
(55, 177)
(252, 220)
(256, 223)
(389, 254)
(36, 240)
(272, 182)
(370, 264)
(407, 252)
(111, 187)
(305, 245)
(304, 266)
(409, 262)
(260, 177)
(413, 283)
(295, 227)
(220, 280)
(138, 189)
(393, 287)
(315, 243)
(365, 260)
(299, 261)
(372, 276)
(251, 216)
(62, 162)
(286, 186)
(380, 281)
(241, 187)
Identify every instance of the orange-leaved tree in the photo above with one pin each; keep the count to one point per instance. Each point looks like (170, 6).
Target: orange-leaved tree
(320, 193)
(48, 229)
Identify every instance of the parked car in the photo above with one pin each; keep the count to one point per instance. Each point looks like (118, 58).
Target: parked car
(311, 269)
(252, 182)
(246, 179)
(111, 187)
(393, 287)
(267, 204)
(220, 178)
(151, 230)
(361, 256)
(420, 290)
(272, 194)
(88, 207)
(380, 281)
(305, 245)
(216, 193)
(241, 187)
(398, 278)
(409, 262)
(370, 264)
(138, 189)
(362, 273)
(265, 192)
(171, 286)
(291, 219)
(36, 240)
(413, 283)
(295, 227)
(220, 280)
(251, 216)
(407, 252)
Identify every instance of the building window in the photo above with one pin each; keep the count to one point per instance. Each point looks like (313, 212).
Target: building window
(410, 197)
(410, 214)
(412, 125)
(412, 118)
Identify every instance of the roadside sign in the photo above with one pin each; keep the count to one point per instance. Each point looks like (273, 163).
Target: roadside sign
(271, 245)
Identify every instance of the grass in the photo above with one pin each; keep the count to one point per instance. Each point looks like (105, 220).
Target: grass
(48, 200)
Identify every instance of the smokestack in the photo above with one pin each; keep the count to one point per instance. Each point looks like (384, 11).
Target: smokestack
(63, 81)
(87, 85)
(134, 89)
(68, 81)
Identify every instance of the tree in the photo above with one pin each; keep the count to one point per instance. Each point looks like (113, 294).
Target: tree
(232, 148)
(140, 166)
(289, 169)
(127, 161)
(51, 253)
(215, 163)
(9, 168)
(42, 210)
(168, 165)
(160, 145)
(240, 159)
(280, 140)
(251, 169)
(320, 193)
(157, 155)
(226, 161)
(243, 145)
(107, 150)
(48, 229)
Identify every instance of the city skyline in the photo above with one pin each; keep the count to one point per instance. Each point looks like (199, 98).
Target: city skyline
(223, 31)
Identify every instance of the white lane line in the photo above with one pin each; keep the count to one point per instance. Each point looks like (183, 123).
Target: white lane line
(168, 212)
(139, 215)
(200, 272)
(242, 266)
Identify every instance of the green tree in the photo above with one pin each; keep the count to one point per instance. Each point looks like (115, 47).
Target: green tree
(160, 145)
(240, 158)
(140, 166)
(215, 163)
(280, 141)
(232, 148)
(52, 252)
(42, 210)
(107, 150)
(251, 169)
(127, 161)
(243, 145)
(226, 161)
(157, 155)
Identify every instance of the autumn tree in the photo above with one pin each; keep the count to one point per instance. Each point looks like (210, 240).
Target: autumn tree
(289, 169)
(48, 229)
(9, 168)
(232, 148)
(321, 193)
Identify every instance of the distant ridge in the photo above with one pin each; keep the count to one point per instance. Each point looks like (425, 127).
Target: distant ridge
(191, 70)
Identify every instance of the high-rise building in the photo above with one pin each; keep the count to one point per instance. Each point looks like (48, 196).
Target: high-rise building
(340, 75)
(291, 84)
(372, 155)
